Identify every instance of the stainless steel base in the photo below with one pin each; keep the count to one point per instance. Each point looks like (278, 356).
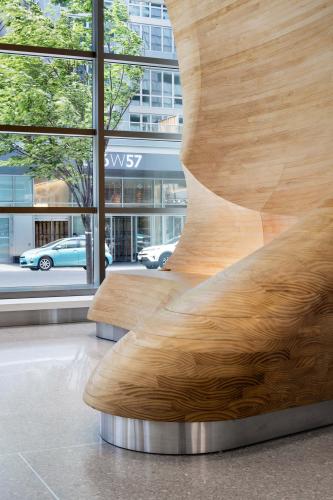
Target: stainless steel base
(186, 438)
(110, 332)
(43, 316)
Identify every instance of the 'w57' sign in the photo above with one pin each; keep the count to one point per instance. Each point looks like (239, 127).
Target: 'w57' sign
(123, 160)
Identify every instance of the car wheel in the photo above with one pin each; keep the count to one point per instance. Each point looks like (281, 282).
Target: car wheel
(149, 266)
(85, 268)
(106, 263)
(163, 258)
(45, 263)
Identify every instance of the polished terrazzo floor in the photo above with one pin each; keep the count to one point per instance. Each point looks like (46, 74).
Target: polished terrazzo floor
(50, 449)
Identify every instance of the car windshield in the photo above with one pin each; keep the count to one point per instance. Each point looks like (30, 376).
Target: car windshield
(51, 244)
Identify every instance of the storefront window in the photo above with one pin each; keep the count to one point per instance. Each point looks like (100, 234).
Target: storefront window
(4, 239)
(174, 193)
(126, 236)
(6, 190)
(138, 192)
(15, 190)
(113, 191)
(48, 171)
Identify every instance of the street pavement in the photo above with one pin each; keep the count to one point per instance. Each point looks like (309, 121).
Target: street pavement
(12, 275)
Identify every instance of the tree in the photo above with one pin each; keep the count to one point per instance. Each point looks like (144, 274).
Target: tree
(57, 92)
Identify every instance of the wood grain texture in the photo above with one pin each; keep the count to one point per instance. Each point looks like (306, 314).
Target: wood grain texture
(255, 338)
(258, 101)
(256, 334)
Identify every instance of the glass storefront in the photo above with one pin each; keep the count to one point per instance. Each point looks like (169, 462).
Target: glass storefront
(4, 239)
(126, 236)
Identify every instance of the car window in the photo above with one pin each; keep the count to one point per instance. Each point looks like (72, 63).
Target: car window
(52, 243)
(173, 240)
(73, 244)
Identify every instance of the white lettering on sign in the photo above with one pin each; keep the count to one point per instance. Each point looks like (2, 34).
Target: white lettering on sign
(123, 160)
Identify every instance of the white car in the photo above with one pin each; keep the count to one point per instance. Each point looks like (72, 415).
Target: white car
(154, 257)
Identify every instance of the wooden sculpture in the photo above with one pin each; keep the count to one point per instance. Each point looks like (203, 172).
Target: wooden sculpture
(252, 331)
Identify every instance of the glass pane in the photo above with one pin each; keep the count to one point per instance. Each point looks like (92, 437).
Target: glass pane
(131, 90)
(138, 192)
(6, 190)
(4, 239)
(45, 91)
(174, 193)
(126, 33)
(142, 173)
(142, 241)
(156, 38)
(58, 248)
(167, 83)
(46, 171)
(135, 170)
(23, 189)
(113, 192)
(56, 23)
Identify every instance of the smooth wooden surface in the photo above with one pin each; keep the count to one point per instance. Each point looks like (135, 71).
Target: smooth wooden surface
(255, 335)
(219, 233)
(257, 84)
(252, 339)
(126, 298)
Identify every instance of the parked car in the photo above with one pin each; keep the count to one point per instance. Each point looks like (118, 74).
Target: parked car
(67, 252)
(156, 256)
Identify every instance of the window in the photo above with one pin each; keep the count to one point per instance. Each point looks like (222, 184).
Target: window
(72, 244)
(159, 88)
(42, 91)
(50, 165)
(64, 27)
(148, 9)
(48, 171)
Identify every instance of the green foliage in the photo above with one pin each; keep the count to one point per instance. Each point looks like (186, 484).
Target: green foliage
(57, 92)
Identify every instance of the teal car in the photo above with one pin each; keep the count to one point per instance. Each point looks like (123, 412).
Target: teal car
(68, 252)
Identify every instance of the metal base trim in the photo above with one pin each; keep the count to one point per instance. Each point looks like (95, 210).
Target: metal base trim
(110, 332)
(43, 317)
(190, 438)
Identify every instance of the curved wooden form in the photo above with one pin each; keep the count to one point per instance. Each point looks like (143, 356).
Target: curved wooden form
(256, 334)
(257, 84)
(255, 338)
